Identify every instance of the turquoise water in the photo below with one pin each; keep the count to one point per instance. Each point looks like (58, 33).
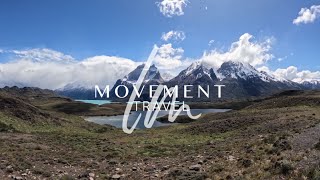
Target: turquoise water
(100, 102)
(116, 121)
(97, 102)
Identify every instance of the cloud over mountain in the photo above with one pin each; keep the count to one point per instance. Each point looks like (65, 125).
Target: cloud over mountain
(244, 50)
(169, 57)
(293, 74)
(47, 68)
(290, 73)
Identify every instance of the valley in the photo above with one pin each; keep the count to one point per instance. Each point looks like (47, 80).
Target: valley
(159, 90)
(44, 136)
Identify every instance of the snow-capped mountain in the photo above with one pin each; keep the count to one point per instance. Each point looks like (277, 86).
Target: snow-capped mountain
(196, 72)
(244, 71)
(167, 76)
(241, 80)
(76, 91)
(311, 84)
(152, 77)
(230, 69)
(153, 74)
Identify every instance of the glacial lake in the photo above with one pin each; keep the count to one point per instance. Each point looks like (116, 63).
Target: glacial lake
(116, 121)
(97, 102)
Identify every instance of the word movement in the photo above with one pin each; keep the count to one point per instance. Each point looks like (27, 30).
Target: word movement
(158, 94)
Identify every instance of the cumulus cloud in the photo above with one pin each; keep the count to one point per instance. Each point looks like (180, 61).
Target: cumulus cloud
(174, 35)
(307, 15)
(244, 50)
(46, 68)
(170, 8)
(169, 60)
(103, 69)
(292, 73)
(168, 57)
(54, 73)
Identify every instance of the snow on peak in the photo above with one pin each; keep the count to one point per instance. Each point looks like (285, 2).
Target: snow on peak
(310, 81)
(198, 69)
(152, 74)
(192, 67)
(237, 70)
(167, 76)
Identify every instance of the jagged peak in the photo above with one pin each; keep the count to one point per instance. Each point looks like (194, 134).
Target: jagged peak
(198, 69)
(152, 74)
(167, 76)
(194, 66)
(235, 70)
(311, 81)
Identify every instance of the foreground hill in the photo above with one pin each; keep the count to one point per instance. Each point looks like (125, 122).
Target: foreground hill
(32, 109)
(289, 99)
(273, 138)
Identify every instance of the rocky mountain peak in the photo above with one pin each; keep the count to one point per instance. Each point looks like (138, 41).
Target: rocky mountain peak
(311, 84)
(238, 70)
(153, 74)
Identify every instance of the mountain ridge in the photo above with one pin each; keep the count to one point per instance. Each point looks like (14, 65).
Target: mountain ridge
(241, 79)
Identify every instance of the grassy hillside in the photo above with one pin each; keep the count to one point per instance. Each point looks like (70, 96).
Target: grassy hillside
(273, 138)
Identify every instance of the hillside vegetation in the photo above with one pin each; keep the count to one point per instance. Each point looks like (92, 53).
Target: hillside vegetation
(43, 136)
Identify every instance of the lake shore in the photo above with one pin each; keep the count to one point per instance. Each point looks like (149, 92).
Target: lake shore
(116, 121)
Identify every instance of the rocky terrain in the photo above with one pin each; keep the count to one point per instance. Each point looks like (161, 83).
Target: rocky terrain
(273, 138)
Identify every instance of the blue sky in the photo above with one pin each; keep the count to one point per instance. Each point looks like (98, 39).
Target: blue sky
(129, 29)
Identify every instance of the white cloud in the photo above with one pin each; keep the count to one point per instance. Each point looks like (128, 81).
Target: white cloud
(211, 42)
(171, 8)
(168, 57)
(307, 15)
(244, 50)
(26, 71)
(103, 69)
(175, 35)
(46, 68)
(292, 73)
(265, 69)
(42, 55)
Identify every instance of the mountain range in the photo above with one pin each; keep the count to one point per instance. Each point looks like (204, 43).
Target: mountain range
(241, 81)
